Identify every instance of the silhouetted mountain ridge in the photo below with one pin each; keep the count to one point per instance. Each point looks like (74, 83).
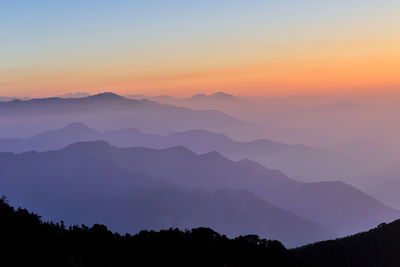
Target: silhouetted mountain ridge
(353, 211)
(28, 241)
(377, 247)
(294, 160)
(107, 111)
(81, 184)
(216, 96)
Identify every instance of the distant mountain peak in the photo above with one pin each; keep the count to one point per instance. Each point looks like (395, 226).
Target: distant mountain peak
(76, 126)
(217, 95)
(110, 97)
(221, 94)
(106, 95)
(74, 95)
(72, 131)
(212, 155)
(89, 146)
(197, 96)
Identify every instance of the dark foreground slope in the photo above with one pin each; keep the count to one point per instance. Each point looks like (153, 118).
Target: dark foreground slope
(26, 241)
(379, 247)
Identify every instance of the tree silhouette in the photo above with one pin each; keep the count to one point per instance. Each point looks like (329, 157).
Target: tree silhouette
(28, 241)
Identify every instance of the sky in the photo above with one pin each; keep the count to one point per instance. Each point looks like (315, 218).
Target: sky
(176, 47)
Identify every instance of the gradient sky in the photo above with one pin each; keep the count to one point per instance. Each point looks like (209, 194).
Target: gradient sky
(247, 47)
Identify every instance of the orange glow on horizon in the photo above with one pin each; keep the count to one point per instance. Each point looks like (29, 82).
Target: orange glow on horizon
(314, 69)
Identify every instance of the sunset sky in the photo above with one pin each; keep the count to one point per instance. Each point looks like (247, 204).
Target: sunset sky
(247, 47)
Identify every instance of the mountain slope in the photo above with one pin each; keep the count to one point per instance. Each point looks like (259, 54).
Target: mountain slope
(382, 183)
(377, 247)
(28, 241)
(81, 185)
(293, 160)
(105, 111)
(337, 205)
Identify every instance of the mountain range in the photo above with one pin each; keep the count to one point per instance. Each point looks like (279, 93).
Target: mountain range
(342, 207)
(188, 172)
(21, 118)
(324, 122)
(91, 179)
(300, 161)
(80, 184)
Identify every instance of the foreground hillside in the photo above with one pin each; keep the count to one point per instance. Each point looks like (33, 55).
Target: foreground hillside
(27, 241)
(379, 247)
